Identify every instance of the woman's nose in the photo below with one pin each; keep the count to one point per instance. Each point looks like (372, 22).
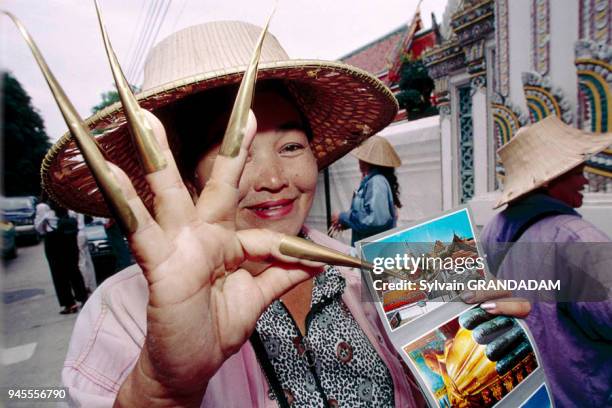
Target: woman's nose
(270, 176)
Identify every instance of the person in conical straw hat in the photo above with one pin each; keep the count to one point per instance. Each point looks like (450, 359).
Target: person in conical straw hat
(217, 310)
(377, 199)
(540, 235)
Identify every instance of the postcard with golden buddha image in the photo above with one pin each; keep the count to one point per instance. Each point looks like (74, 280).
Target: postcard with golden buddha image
(420, 268)
(477, 360)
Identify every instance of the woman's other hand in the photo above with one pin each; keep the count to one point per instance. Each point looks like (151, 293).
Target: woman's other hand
(498, 302)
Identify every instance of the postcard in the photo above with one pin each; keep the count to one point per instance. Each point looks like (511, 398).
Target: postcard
(539, 399)
(419, 268)
(473, 360)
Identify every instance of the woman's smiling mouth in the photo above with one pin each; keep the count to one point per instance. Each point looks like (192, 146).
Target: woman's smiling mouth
(275, 209)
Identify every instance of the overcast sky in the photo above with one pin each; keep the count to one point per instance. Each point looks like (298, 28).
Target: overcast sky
(67, 33)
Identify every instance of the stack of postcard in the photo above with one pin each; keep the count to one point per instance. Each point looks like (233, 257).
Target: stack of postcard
(460, 355)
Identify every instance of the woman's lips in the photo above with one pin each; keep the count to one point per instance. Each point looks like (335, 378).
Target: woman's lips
(273, 209)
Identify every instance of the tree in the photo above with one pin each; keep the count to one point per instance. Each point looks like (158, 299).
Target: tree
(25, 140)
(110, 97)
(415, 89)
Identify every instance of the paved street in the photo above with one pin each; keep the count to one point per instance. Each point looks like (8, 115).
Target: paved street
(35, 334)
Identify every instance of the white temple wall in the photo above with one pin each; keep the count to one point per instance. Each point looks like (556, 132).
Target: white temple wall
(446, 146)
(563, 35)
(520, 48)
(481, 140)
(420, 176)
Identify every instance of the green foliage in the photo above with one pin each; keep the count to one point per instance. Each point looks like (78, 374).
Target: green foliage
(25, 140)
(415, 89)
(110, 97)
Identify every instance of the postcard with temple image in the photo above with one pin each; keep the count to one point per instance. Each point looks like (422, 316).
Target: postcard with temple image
(477, 360)
(420, 268)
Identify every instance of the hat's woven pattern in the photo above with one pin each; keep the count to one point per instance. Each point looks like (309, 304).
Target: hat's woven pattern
(343, 104)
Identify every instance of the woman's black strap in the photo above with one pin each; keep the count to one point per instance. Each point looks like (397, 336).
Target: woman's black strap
(266, 366)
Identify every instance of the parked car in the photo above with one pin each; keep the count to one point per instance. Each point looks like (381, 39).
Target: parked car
(102, 253)
(9, 247)
(20, 211)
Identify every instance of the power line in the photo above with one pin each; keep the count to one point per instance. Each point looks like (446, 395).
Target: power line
(153, 6)
(146, 22)
(138, 24)
(151, 41)
(178, 17)
(144, 34)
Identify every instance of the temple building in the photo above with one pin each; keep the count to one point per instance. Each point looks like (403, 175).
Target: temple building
(504, 64)
(497, 65)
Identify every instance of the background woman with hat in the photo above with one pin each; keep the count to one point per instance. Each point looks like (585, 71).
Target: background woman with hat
(376, 200)
(215, 314)
(541, 236)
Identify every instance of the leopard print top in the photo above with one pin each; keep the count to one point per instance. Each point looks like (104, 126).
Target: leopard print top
(334, 364)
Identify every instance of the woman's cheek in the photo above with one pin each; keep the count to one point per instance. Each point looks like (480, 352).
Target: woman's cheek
(305, 174)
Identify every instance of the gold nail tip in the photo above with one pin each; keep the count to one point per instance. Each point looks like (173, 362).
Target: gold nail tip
(87, 145)
(151, 157)
(304, 249)
(236, 127)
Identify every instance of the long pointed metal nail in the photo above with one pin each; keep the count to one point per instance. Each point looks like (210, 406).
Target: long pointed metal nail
(89, 148)
(303, 249)
(150, 154)
(236, 127)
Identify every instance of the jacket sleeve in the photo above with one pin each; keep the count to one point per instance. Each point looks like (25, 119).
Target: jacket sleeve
(106, 340)
(41, 218)
(372, 209)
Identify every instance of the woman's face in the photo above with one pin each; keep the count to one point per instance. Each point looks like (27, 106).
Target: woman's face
(280, 176)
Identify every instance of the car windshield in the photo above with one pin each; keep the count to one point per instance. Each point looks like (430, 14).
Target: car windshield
(95, 232)
(17, 203)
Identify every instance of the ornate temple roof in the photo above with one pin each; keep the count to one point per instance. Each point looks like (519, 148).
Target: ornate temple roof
(375, 56)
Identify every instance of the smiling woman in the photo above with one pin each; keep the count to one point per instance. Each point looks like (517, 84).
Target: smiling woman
(232, 327)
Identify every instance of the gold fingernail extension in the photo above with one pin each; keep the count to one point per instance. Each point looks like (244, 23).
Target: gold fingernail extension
(236, 127)
(303, 249)
(89, 148)
(150, 154)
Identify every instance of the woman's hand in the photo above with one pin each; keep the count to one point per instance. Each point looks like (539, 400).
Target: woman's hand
(203, 305)
(498, 302)
(336, 226)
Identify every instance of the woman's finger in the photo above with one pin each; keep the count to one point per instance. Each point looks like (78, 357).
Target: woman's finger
(219, 198)
(260, 245)
(516, 307)
(278, 279)
(480, 296)
(148, 242)
(173, 206)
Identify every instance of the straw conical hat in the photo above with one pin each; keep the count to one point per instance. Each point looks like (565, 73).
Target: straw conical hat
(542, 152)
(377, 150)
(343, 104)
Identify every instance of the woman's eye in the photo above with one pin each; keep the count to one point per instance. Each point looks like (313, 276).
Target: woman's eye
(291, 148)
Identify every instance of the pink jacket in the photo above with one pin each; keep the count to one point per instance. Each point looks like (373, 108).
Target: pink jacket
(110, 331)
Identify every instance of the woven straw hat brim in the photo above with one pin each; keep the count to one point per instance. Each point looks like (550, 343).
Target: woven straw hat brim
(343, 104)
(377, 150)
(542, 152)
